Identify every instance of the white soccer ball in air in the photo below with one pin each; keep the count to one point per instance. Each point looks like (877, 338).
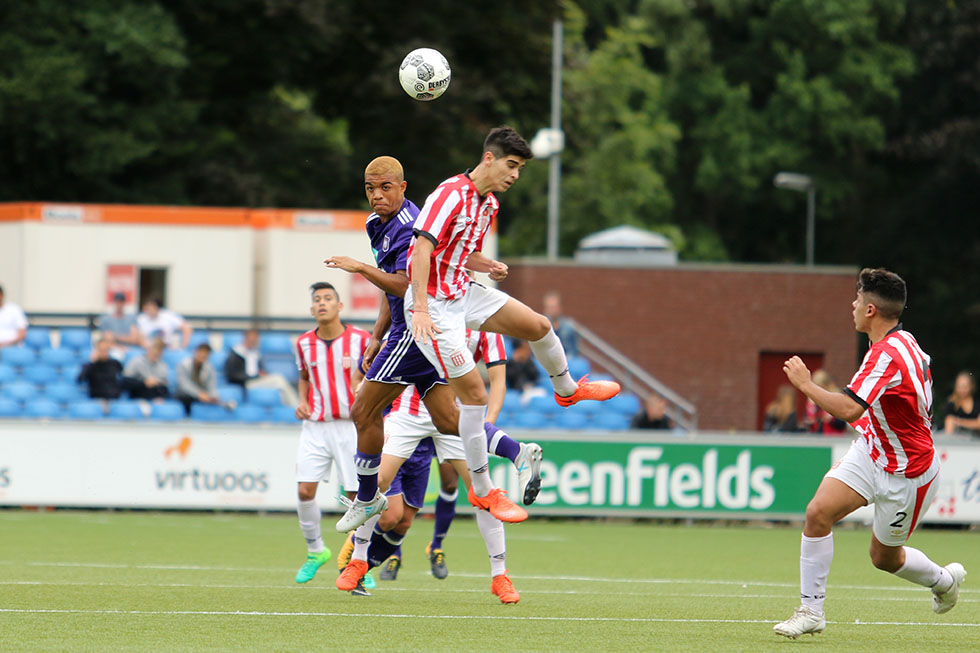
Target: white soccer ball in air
(425, 74)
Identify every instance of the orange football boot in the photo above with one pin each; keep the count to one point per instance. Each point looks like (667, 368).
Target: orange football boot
(594, 390)
(498, 505)
(352, 575)
(503, 588)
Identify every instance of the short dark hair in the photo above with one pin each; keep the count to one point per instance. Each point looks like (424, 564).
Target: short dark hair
(887, 288)
(505, 141)
(323, 285)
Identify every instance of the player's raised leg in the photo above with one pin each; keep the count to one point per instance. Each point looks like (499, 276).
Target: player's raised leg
(517, 320)
(525, 456)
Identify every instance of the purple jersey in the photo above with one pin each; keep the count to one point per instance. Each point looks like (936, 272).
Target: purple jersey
(389, 242)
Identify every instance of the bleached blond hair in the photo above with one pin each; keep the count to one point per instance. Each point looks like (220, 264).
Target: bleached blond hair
(385, 165)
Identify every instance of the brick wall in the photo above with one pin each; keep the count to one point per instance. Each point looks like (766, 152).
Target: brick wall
(700, 328)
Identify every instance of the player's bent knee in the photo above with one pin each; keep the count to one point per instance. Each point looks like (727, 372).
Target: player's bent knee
(885, 558)
(541, 326)
(818, 521)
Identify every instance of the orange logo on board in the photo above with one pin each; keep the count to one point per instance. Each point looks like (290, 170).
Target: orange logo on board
(180, 448)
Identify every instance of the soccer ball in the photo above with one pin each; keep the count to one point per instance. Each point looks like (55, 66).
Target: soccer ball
(424, 74)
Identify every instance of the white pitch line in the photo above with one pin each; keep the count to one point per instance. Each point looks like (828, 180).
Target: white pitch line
(442, 590)
(256, 613)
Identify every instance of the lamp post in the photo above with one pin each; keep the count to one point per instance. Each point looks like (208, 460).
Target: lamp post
(550, 141)
(803, 183)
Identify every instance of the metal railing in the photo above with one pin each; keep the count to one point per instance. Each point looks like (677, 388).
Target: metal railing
(632, 377)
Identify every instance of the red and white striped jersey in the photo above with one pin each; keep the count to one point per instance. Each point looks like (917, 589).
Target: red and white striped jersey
(456, 219)
(894, 384)
(486, 347)
(330, 365)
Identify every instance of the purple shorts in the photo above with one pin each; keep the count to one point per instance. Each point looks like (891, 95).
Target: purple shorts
(401, 362)
(412, 478)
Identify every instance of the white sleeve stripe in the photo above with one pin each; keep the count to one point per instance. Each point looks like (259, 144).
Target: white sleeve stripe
(875, 376)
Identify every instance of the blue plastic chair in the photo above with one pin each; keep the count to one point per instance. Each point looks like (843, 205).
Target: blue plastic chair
(231, 338)
(568, 419)
(40, 374)
(69, 373)
(512, 401)
(124, 409)
(197, 338)
(57, 357)
(76, 338)
(38, 337)
(275, 343)
(623, 404)
(611, 421)
(131, 354)
(65, 392)
(217, 359)
(20, 390)
(209, 413)
(167, 411)
(230, 393)
(172, 357)
(264, 397)
(251, 414)
(544, 406)
(7, 373)
(578, 366)
(285, 365)
(588, 408)
(43, 409)
(530, 420)
(85, 409)
(19, 356)
(10, 408)
(284, 415)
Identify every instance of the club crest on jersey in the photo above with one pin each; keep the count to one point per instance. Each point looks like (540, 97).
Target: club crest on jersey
(386, 243)
(458, 358)
(346, 362)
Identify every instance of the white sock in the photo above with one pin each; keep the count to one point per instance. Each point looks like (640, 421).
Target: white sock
(492, 530)
(474, 439)
(362, 538)
(309, 523)
(919, 569)
(815, 556)
(551, 354)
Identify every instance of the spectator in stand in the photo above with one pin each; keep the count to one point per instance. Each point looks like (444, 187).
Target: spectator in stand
(13, 323)
(244, 367)
(145, 377)
(653, 415)
(563, 329)
(781, 413)
(197, 381)
(158, 322)
(962, 409)
(102, 373)
(120, 327)
(522, 373)
(815, 418)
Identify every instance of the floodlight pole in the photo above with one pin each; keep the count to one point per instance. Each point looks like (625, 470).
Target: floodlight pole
(796, 181)
(554, 166)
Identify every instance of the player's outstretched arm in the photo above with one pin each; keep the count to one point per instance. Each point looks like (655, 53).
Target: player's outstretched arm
(837, 404)
(394, 283)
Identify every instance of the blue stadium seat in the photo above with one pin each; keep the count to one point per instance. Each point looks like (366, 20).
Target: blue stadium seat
(209, 413)
(230, 392)
(624, 404)
(231, 338)
(578, 366)
(251, 414)
(264, 397)
(19, 356)
(284, 415)
(530, 420)
(40, 374)
(7, 373)
(505, 419)
(217, 359)
(611, 421)
(85, 409)
(9, 408)
(65, 392)
(512, 400)
(44, 409)
(83, 356)
(568, 419)
(69, 373)
(285, 365)
(275, 343)
(168, 411)
(38, 337)
(76, 338)
(125, 409)
(588, 408)
(132, 353)
(172, 357)
(57, 357)
(20, 390)
(545, 406)
(197, 338)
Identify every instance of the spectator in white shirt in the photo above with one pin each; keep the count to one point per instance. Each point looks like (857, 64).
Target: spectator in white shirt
(158, 322)
(13, 323)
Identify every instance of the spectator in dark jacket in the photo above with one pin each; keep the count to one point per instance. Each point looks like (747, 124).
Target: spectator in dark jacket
(103, 373)
(244, 367)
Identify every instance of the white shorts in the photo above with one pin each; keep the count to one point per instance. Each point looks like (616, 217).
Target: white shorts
(404, 432)
(899, 502)
(324, 443)
(447, 351)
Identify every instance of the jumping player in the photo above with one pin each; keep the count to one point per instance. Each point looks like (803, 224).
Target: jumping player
(399, 363)
(327, 360)
(892, 465)
(443, 302)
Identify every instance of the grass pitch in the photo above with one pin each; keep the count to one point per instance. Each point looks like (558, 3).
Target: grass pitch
(80, 581)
